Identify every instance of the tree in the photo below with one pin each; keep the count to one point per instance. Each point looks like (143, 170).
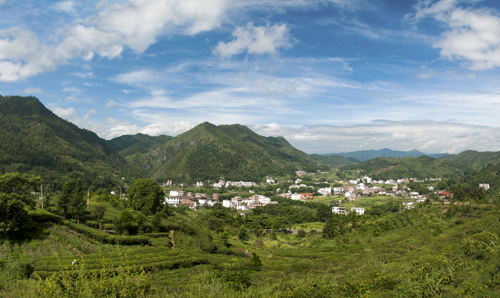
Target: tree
(256, 261)
(216, 225)
(126, 219)
(99, 211)
(14, 201)
(258, 231)
(156, 221)
(77, 201)
(242, 233)
(225, 238)
(64, 199)
(140, 219)
(323, 212)
(145, 193)
(146, 211)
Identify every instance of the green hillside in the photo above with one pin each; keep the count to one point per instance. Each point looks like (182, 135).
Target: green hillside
(371, 154)
(127, 145)
(474, 159)
(334, 160)
(420, 167)
(35, 140)
(208, 152)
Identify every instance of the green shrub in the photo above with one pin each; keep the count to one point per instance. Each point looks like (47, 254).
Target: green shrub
(107, 238)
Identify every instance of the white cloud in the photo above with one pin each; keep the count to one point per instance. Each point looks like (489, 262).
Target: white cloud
(83, 75)
(22, 55)
(31, 90)
(136, 24)
(71, 89)
(88, 114)
(66, 6)
(111, 104)
(68, 114)
(256, 40)
(426, 136)
(473, 35)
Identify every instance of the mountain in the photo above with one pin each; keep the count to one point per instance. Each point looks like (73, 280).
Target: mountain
(137, 144)
(473, 159)
(208, 152)
(371, 154)
(408, 167)
(35, 140)
(335, 160)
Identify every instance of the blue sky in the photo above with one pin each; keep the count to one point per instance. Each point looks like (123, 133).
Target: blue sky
(328, 75)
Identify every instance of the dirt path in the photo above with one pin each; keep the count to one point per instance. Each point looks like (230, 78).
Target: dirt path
(173, 238)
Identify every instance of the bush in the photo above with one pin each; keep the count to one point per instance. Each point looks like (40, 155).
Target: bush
(43, 216)
(107, 238)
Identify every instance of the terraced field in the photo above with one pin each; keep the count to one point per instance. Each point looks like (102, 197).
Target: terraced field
(146, 258)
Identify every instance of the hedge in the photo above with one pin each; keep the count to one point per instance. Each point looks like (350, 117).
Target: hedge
(107, 238)
(40, 215)
(157, 235)
(148, 258)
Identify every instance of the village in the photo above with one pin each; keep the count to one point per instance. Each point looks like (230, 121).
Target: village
(352, 190)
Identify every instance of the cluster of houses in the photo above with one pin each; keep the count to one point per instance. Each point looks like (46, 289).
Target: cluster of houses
(223, 183)
(179, 197)
(252, 202)
(342, 210)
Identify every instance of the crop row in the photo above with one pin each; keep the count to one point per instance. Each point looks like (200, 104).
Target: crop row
(145, 263)
(107, 238)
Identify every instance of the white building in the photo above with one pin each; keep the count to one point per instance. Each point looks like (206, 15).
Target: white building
(200, 184)
(327, 191)
(172, 200)
(265, 200)
(486, 186)
(269, 180)
(227, 204)
(338, 210)
(242, 207)
(296, 197)
(358, 210)
(174, 193)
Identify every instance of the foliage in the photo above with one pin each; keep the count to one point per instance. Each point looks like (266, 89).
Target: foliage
(107, 238)
(256, 261)
(14, 202)
(208, 152)
(145, 193)
(99, 210)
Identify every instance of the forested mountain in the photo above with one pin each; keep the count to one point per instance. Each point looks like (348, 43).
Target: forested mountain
(35, 140)
(208, 152)
(127, 145)
(371, 154)
(473, 159)
(410, 167)
(335, 160)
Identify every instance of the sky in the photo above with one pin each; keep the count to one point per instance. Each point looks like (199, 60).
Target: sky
(328, 75)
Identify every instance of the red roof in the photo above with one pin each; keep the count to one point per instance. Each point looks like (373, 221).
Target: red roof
(444, 193)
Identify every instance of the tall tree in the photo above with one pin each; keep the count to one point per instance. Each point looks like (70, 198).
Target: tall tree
(14, 200)
(99, 211)
(64, 199)
(146, 193)
(77, 201)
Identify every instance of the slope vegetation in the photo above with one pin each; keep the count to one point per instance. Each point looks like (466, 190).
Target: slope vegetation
(33, 139)
(209, 152)
(420, 167)
(473, 159)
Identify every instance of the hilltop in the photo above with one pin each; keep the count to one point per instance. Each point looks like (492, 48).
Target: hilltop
(420, 167)
(473, 159)
(371, 154)
(208, 152)
(33, 139)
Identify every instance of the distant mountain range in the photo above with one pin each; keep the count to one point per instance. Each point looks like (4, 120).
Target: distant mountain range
(35, 140)
(371, 154)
